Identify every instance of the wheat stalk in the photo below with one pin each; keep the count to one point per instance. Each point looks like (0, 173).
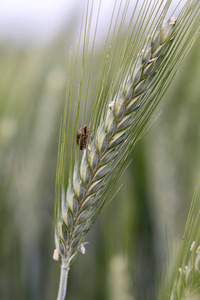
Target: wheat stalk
(83, 199)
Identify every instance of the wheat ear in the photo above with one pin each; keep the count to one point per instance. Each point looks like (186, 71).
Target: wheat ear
(189, 276)
(84, 197)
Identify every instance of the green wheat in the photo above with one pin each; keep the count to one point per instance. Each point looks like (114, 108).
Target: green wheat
(118, 120)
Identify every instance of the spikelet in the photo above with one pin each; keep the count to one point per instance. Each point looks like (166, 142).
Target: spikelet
(83, 198)
(189, 275)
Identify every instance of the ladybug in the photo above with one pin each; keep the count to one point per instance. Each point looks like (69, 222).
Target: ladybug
(82, 136)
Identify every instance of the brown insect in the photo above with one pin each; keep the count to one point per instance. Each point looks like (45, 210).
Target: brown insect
(82, 136)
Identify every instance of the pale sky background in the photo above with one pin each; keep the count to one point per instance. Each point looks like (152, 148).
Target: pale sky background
(37, 21)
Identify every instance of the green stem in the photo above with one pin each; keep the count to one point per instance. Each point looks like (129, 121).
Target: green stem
(64, 269)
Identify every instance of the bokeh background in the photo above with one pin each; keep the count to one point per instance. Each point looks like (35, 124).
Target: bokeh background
(130, 243)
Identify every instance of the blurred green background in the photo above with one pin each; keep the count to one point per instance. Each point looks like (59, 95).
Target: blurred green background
(128, 244)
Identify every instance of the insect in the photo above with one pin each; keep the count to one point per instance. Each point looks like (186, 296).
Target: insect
(82, 136)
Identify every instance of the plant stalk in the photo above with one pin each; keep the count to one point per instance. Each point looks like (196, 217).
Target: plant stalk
(64, 269)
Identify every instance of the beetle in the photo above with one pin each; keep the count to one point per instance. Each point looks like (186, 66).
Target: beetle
(82, 136)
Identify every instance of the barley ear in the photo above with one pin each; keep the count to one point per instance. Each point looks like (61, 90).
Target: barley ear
(82, 200)
(86, 176)
(186, 278)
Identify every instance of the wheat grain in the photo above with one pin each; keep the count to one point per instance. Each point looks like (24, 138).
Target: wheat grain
(83, 198)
